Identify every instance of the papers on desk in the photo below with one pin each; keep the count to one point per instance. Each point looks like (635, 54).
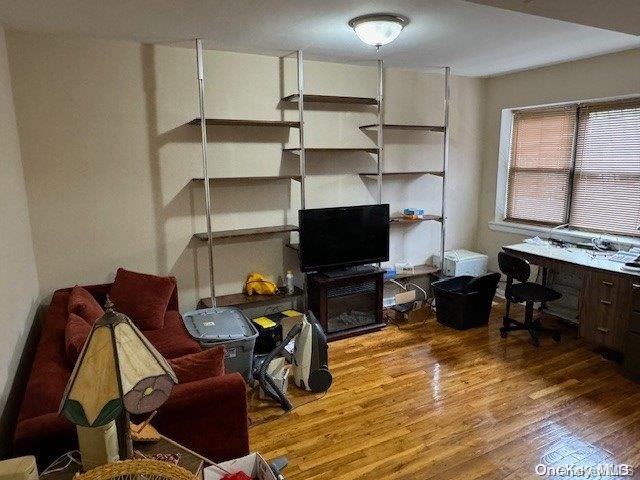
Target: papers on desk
(536, 241)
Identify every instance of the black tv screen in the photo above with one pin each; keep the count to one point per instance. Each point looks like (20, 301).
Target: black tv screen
(332, 238)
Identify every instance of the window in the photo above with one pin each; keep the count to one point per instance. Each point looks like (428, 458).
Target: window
(578, 164)
(540, 165)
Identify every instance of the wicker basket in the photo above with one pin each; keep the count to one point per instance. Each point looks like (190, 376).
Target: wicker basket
(146, 469)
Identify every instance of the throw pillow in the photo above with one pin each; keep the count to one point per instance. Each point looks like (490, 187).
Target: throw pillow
(76, 333)
(82, 303)
(198, 366)
(141, 297)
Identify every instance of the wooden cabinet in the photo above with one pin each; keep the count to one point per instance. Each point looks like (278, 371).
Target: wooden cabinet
(632, 338)
(604, 308)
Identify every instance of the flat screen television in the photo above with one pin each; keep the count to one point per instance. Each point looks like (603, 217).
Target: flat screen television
(336, 238)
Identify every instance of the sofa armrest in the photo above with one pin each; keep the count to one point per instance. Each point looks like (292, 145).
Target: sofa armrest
(208, 416)
(45, 436)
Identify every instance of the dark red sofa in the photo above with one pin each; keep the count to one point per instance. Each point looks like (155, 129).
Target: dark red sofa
(208, 416)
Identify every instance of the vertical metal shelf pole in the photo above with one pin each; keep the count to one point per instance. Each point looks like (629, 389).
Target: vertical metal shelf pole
(302, 158)
(445, 164)
(380, 127)
(205, 167)
(303, 166)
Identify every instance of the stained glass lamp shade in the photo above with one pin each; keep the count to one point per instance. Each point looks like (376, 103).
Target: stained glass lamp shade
(118, 371)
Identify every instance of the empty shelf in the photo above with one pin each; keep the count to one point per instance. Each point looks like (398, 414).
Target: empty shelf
(252, 179)
(246, 123)
(240, 299)
(393, 126)
(426, 218)
(384, 174)
(247, 232)
(331, 99)
(346, 150)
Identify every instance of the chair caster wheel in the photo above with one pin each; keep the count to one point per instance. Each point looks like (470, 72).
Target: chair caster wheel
(556, 337)
(503, 334)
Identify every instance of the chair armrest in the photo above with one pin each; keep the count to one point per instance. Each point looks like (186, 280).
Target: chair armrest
(208, 416)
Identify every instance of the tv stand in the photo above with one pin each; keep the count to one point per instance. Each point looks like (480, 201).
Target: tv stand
(349, 271)
(348, 304)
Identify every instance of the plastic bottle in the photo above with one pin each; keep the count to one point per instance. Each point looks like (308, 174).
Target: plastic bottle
(288, 281)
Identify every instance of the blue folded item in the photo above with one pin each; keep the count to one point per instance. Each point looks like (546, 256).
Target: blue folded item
(413, 211)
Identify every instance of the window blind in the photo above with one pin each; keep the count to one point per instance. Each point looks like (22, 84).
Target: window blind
(540, 165)
(606, 186)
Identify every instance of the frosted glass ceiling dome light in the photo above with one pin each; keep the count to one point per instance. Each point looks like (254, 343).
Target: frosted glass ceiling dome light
(379, 28)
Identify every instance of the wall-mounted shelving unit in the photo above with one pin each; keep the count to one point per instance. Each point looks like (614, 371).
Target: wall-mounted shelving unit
(210, 236)
(300, 98)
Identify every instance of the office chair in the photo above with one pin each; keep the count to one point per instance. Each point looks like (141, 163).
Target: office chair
(524, 292)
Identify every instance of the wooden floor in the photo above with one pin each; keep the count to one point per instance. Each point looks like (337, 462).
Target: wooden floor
(432, 402)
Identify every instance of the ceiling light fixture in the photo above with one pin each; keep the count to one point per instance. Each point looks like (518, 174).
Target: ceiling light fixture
(378, 29)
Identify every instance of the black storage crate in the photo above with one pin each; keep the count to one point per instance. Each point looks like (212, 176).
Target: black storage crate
(465, 302)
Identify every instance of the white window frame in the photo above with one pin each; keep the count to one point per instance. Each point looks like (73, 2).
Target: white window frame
(499, 223)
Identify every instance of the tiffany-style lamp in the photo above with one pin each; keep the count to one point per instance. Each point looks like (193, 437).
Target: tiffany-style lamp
(117, 373)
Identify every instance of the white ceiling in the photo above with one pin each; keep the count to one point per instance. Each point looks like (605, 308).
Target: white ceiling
(618, 15)
(474, 39)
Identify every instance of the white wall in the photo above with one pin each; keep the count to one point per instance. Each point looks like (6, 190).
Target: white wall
(598, 77)
(108, 160)
(18, 275)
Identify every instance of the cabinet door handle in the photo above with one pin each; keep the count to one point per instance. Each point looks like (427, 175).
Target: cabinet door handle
(607, 283)
(605, 302)
(603, 330)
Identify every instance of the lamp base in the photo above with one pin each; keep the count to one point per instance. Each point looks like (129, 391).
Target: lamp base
(98, 445)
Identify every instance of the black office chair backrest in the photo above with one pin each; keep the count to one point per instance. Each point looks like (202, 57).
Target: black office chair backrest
(514, 267)
(483, 283)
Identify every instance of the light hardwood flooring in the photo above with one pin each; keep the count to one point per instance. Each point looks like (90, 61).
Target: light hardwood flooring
(432, 402)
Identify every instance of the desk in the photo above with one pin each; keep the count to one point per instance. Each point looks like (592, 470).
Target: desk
(609, 303)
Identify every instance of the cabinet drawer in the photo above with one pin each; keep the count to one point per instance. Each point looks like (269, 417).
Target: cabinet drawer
(635, 294)
(634, 321)
(632, 353)
(606, 288)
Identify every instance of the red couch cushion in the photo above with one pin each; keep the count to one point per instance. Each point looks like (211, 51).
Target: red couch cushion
(76, 333)
(198, 366)
(172, 340)
(84, 305)
(143, 298)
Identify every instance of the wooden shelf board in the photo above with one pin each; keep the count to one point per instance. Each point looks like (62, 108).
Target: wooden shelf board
(247, 232)
(345, 150)
(418, 271)
(246, 123)
(242, 299)
(424, 172)
(331, 99)
(393, 126)
(426, 218)
(252, 179)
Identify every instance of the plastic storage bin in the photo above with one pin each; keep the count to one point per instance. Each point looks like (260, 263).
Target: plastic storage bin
(229, 327)
(465, 302)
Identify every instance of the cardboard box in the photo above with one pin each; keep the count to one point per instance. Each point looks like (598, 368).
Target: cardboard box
(253, 465)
